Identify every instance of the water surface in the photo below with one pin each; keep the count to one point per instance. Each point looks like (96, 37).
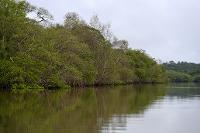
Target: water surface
(171, 108)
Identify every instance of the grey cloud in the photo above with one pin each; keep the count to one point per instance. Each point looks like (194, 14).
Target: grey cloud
(166, 29)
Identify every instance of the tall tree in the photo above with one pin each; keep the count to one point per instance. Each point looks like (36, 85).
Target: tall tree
(12, 20)
(105, 29)
(72, 19)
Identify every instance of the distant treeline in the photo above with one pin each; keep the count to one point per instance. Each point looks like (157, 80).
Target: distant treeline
(37, 54)
(183, 71)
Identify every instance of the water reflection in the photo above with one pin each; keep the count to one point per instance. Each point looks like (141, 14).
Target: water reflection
(109, 109)
(184, 90)
(177, 112)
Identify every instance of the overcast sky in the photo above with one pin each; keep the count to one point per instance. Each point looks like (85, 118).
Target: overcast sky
(165, 29)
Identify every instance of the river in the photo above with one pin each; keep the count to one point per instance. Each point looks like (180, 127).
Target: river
(173, 108)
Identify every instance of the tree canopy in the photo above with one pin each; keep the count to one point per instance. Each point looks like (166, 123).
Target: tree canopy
(183, 71)
(59, 56)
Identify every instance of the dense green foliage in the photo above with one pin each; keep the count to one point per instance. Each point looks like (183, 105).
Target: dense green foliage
(183, 71)
(34, 55)
(175, 76)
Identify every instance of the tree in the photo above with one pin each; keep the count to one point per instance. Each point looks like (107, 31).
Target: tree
(73, 54)
(120, 44)
(175, 76)
(12, 20)
(43, 15)
(29, 8)
(95, 22)
(40, 15)
(103, 28)
(72, 19)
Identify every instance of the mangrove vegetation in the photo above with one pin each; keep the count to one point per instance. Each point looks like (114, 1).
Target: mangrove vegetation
(35, 53)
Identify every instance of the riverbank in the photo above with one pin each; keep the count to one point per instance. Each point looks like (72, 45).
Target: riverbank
(37, 55)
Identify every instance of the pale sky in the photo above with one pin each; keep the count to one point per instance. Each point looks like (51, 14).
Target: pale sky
(165, 29)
